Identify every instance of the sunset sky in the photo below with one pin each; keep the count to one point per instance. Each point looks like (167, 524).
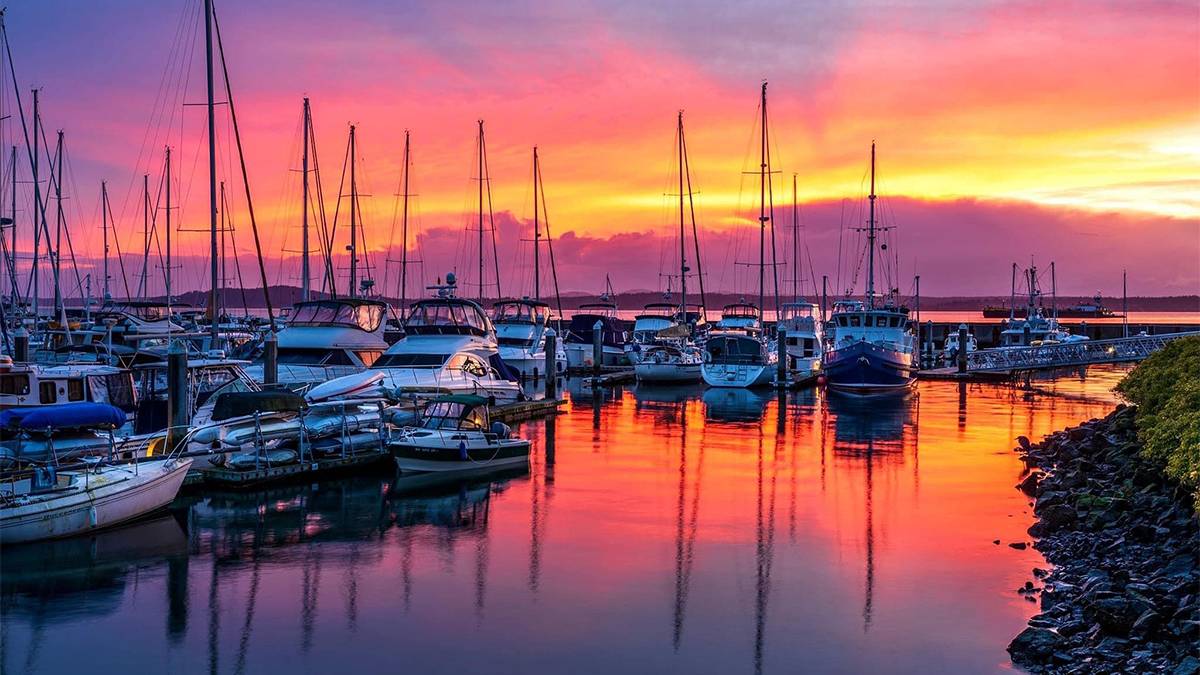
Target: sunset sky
(1062, 131)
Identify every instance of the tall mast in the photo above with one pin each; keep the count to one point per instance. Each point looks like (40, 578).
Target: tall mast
(762, 205)
(167, 277)
(212, 180)
(481, 286)
(58, 226)
(1012, 295)
(404, 228)
(104, 222)
(353, 221)
(683, 268)
(871, 237)
(225, 232)
(37, 203)
(795, 244)
(304, 272)
(1053, 292)
(13, 217)
(537, 232)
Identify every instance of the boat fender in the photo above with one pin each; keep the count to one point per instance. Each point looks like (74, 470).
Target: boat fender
(92, 520)
(502, 430)
(707, 356)
(462, 450)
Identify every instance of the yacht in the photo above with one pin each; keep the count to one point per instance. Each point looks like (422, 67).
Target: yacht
(655, 317)
(449, 347)
(580, 333)
(521, 327)
(870, 347)
(803, 337)
(736, 353)
(326, 339)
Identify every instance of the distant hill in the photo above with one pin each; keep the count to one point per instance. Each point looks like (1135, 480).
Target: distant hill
(285, 296)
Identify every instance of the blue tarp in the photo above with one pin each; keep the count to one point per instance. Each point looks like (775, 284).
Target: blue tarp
(506, 371)
(65, 416)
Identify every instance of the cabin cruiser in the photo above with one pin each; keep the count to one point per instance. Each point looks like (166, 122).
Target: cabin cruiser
(735, 359)
(521, 327)
(326, 339)
(741, 317)
(449, 348)
(581, 331)
(455, 434)
(655, 317)
(803, 337)
(869, 348)
(26, 385)
(1034, 331)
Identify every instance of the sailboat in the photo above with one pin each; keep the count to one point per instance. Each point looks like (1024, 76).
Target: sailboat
(738, 354)
(521, 324)
(664, 349)
(870, 346)
(798, 320)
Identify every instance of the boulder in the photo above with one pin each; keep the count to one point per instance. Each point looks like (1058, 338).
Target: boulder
(1057, 516)
(1035, 646)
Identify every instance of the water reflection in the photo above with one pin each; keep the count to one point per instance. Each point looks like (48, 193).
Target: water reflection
(702, 531)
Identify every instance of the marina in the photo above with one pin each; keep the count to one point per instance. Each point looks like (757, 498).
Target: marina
(617, 405)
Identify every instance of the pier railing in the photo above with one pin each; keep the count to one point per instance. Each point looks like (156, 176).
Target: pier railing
(1066, 355)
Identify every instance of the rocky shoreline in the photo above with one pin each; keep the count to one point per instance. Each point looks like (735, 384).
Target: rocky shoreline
(1124, 593)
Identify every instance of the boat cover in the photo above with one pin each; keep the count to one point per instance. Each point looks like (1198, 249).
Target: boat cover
(65, 416)
(242, 403)
(503, 369)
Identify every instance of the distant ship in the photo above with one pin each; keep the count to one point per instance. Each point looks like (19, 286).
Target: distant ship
(1084, 310)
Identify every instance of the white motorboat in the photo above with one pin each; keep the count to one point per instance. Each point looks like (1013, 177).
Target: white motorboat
(733, 358)
(521, 327)
(47, 504)
(670, 361)
(802, 339)
(655, 317)
(326, 339)
(456, 435)
(449, 348)
(952, 348)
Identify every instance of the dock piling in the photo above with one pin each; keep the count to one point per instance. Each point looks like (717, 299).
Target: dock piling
(177, 395)
(21, 345)
(551, 364)
(271, 359)
(781, 364)
(597, 347)
(961, 354)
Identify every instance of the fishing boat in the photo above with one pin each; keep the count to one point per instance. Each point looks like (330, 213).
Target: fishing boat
(455, 435)
(46, 503)
(449, 347)
(326, 339)
(870, 346)
(521, 327)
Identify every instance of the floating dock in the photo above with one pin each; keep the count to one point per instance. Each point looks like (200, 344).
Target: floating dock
(200, 474)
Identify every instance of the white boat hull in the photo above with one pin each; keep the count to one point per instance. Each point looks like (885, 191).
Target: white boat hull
(113, 496)
(737, 375)
(649, 371)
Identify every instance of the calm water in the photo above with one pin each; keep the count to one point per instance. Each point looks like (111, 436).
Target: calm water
(657, 530)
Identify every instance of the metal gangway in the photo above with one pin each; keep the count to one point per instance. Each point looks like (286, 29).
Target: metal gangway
(1070, 354)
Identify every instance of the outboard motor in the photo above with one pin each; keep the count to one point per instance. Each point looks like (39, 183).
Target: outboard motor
(502, 430)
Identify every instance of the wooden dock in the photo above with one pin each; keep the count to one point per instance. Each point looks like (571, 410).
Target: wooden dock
(525, 410)
(613, 378)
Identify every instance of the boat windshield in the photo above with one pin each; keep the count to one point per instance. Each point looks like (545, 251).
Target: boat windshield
(734, 349)
(332, 313)
(520, 312)
(446, 314)
(452, 415)
(410, 361)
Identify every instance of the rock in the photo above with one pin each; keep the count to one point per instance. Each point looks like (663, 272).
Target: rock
(1057, 516)
(1188, 666)
(1019, 545)
(996, 542)
(1114, 614)
(1180, 565)
(1146, 624)
(1029, 484)
(1034, 646)
(1039, 573)
(1023, 442)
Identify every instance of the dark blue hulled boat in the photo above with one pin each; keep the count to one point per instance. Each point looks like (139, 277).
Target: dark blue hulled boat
(870, 347)
(870, 350)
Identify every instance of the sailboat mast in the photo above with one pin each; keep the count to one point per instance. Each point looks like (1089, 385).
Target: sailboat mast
(480, 211)
(353, 220)
(37, 204)
(1012, 295)
(305, 288)
(871, 237)
(762, 205)
(142, 289)
(212, 179)
(1053, 292)
(683, 269)
(168, 225)
(104, 222)
(404, 227)
(13, 215)
(58, 226)
(537, 232)
(795, 244)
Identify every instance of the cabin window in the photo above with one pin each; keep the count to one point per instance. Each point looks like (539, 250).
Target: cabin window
(809, 345)
(410, 360)
(338, 357)
(209, 380)
(17, 385)
(515, 342)
(47, 392)
(368, 356)
(855, 320)
(75, 390)
(302, 357)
